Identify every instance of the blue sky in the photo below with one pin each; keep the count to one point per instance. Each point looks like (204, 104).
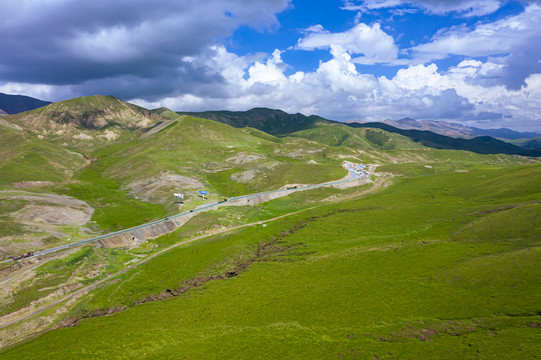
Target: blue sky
(467, 61)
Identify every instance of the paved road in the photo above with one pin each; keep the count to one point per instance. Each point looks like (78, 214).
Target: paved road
(67, 246)
(82, 290)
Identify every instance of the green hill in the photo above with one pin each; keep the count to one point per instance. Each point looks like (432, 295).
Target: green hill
(337, 134)
(85, 123)
(27, 158)
(481, 144)
(438, 259)
(278, 122)
(193, 153)
(271, 121)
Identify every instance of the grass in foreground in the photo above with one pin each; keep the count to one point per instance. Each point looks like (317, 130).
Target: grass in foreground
(416, 271)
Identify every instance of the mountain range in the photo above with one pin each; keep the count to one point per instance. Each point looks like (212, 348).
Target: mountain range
(454, 129)
(278, 122)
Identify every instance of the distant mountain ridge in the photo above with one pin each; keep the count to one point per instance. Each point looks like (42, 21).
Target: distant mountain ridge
(278, 122)
(271, 121)
(480, 144)
(454, 129)
(14, 104)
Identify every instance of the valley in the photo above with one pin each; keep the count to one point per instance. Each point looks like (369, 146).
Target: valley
(433, 254)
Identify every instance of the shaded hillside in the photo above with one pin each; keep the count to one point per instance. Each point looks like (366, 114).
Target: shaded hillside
(504, 133)
(276, 122)
(481, 145)
(14, 104)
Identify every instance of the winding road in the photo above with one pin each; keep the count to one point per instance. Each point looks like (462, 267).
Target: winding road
(90, 287)
(67, 246)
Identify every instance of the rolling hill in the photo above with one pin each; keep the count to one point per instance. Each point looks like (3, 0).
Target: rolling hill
(434, 256)
(280, 123)
(85, 123)
(530, 143)
(275, 122)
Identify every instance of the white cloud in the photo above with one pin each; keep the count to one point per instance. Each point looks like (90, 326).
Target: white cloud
(269, 73)
(466, 8)
(510, 42)
(185, 69)
(417, 77)
(497, 38)
(336, 90)
(372, 43)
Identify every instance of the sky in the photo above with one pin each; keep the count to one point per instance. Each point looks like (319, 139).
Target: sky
(474, 62)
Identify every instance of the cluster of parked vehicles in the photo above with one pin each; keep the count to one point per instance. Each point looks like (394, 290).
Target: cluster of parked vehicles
(22, 256)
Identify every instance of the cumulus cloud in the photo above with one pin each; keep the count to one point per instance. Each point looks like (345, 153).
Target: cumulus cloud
(509, 41)
(372, 43)
(170, 55)
(128, 45)
(337, 90)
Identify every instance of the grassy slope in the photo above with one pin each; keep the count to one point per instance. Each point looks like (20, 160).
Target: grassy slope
(418, 271)
(87, 123)
(200, 149)
(25, 157)
(207, 151)
(481, 144)
(364, 139)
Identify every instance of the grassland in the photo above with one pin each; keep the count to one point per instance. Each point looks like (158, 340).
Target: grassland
(435, 266)
(442, 264)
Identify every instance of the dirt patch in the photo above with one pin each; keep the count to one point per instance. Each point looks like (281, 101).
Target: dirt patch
(31, 184)
(146, 189)
(61, 200)
(297, 153)
(134, 238)
(10, 125)
(110, 135)
(54, 215)
(244, 176)
(242, 158)
(50, 209)
(8, 270)
(82, 136)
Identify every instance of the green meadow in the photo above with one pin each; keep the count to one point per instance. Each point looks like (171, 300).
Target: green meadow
(439, 265)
